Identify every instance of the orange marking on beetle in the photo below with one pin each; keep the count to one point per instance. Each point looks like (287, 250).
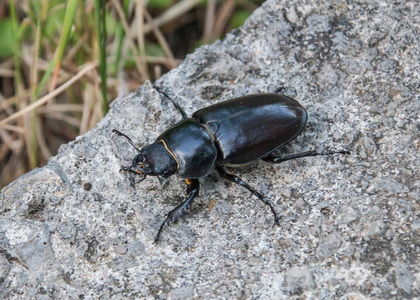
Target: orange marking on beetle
(137, 170)
(189, 181)
(173, 155)
(211, 135)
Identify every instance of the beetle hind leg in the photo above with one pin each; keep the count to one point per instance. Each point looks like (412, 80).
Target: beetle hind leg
(278, 159)
(193, 187)
(238, 180)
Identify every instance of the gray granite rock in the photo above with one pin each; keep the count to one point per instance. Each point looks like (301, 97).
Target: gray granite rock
(80, 228)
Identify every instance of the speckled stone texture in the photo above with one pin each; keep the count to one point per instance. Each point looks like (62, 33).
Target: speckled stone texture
(350, 228)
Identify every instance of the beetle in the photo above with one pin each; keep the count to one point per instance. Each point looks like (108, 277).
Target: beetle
(233, 132)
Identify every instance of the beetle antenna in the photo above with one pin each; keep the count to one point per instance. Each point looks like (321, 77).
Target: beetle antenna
(179, 108)
(129, 140)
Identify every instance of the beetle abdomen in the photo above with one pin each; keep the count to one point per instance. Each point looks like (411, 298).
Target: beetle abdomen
(250, 127)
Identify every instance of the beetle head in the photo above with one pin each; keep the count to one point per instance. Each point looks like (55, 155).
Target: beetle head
(155, 160)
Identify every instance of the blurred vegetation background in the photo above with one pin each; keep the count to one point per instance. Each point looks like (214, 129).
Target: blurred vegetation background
(62, 62)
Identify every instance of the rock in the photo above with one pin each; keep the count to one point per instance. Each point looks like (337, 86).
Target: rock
(328, 245)
(81, 228)
(299, 279)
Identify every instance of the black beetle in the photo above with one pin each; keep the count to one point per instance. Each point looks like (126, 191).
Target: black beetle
(233, 132)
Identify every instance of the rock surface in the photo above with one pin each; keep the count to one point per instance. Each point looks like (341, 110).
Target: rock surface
(350, 226)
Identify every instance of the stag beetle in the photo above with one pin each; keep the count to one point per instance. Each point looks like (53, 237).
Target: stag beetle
(233, 132)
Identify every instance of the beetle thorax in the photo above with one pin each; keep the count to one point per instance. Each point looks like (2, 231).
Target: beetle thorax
(155, 160)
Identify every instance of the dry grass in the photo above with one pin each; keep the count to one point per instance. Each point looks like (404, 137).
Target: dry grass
(63, 61)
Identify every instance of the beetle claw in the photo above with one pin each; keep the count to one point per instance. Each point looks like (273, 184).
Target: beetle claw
(276, 220)
(173, 215)
(166, 221)
(141, 179)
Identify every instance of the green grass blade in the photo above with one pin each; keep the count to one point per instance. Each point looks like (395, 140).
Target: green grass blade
(65, 34)
(100, 14)
(119, 40)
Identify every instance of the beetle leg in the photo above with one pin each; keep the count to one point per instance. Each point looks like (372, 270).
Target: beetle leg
(129, 140)
(238, 180)
(278, 159)
(179, 108)
(279, 90)
(193, 187)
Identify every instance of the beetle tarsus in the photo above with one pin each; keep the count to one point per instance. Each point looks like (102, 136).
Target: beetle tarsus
(193, 188)
(179, 108)
(279, 90)
(279, 159)
(238, 180)
(143, 177)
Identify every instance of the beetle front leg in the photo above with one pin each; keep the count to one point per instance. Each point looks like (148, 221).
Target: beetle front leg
(193, 188)
(238, 180)
(278, 159)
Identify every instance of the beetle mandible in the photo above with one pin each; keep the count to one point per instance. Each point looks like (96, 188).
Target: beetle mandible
(233, 132)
